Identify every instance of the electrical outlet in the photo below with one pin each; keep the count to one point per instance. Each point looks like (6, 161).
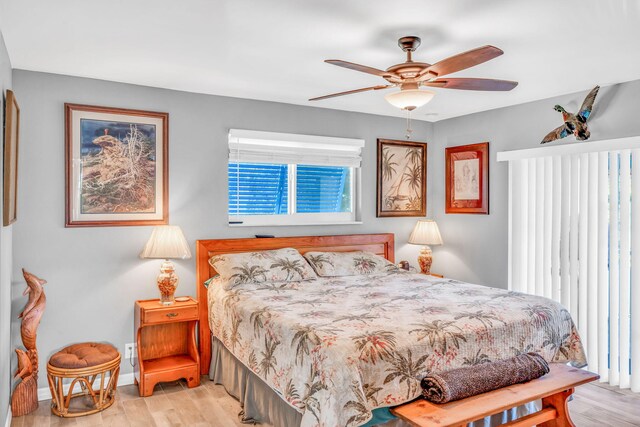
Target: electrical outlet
(130, 351)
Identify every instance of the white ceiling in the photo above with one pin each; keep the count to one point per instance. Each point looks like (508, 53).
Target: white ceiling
(274, 50)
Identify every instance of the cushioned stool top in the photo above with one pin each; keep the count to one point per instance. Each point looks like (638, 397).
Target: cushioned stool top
(83, 355)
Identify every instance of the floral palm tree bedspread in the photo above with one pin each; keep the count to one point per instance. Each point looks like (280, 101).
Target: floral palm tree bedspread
(337, 348)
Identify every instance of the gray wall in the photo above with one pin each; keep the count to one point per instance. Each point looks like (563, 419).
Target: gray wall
(94, 274)
(475, 246)
(5, 260)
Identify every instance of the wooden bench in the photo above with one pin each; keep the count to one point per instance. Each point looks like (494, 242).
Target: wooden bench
(554, 389)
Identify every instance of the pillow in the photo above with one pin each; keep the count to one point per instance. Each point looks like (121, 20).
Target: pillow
(281, 265)
(209, 280)
(328, 264)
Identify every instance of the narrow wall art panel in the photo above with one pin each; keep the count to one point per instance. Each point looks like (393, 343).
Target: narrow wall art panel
(11, 140)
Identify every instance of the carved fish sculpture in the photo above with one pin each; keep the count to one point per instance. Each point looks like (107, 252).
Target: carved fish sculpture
(25, 368)
(31, 315)
(24, 399)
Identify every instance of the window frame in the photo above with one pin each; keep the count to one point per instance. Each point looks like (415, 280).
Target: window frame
(251, 146)
(292, 218)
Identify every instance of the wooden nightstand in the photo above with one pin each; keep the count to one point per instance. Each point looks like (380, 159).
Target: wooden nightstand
(435, 275)
(166, 339)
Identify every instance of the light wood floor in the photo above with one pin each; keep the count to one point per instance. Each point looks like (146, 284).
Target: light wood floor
(173, 404)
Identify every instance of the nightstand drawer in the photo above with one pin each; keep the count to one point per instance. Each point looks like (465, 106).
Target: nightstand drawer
(170, 314)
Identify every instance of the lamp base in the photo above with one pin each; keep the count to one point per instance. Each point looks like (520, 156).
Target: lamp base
(167, 283)
(425, 260)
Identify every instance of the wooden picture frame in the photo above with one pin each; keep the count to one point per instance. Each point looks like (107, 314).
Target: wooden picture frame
(467, 179)
(401, 178)
(117, 167)
(10, 163)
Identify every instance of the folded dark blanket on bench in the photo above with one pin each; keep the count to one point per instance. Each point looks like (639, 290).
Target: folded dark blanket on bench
(464, 382)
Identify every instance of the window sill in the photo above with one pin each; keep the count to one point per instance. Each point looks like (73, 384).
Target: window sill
(266, 224)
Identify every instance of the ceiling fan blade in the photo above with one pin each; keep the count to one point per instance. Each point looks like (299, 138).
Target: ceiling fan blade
(461, 61)
(463, 83)
(361, 68)
(349, 92)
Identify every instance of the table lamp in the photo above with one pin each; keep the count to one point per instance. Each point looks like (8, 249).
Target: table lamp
(167, 242)
(425, 233)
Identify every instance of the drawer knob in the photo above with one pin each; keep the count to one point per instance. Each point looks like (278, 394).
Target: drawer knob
(172, 314)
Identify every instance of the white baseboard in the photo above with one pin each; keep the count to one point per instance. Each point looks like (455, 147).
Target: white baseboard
(45, 394)
(9, 418)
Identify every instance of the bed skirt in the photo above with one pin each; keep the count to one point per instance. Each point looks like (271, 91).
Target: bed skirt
(260, 403)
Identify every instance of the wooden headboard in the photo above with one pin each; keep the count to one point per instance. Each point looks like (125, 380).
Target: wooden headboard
(381, 244)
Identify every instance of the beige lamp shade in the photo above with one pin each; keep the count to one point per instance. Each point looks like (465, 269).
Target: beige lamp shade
(166, 242)
(425, 233)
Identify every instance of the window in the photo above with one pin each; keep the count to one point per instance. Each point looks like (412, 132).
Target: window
(258, 189)
(285, 179)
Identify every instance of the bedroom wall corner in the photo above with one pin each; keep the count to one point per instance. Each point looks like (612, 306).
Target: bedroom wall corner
(5, 264)
(476, 246)
(94, 274)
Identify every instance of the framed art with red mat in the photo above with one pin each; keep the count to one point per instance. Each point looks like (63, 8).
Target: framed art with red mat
(467, 179)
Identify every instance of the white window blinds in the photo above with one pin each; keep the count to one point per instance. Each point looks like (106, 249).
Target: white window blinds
(574, 236)
(250, 146)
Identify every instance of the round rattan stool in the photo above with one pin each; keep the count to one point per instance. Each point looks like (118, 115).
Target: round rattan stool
(84, 363)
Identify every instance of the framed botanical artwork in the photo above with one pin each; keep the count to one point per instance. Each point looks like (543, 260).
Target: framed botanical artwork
(116, 167)
(402, 178)
(467, 179)
(11, 139)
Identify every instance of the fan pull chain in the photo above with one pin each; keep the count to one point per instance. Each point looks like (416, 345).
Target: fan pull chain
(409, 130)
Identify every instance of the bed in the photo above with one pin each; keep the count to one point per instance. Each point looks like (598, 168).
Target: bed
(337, 351)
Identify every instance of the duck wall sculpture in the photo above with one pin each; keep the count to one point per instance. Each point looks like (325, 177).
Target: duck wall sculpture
(575, 124)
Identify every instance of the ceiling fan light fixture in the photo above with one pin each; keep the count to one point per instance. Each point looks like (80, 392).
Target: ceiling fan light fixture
(409, 99)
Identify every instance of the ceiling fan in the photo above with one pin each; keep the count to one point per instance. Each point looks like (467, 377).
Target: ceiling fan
(410, 75)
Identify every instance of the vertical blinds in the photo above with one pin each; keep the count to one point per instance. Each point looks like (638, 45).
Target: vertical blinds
(574, 236)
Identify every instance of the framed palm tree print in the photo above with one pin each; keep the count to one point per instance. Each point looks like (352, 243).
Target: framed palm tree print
(402, 178)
